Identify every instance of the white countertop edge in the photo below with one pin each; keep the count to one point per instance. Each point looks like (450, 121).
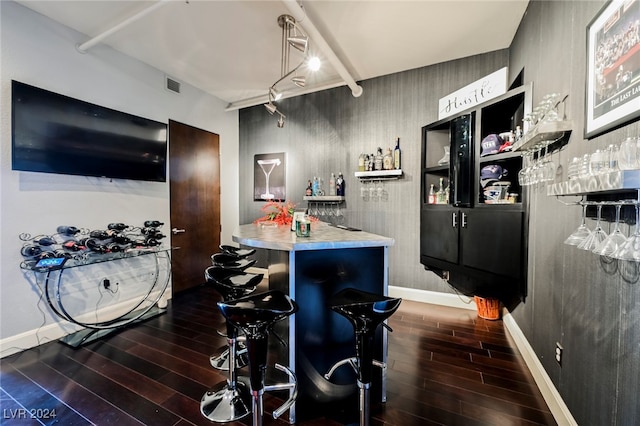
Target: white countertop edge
(290, 242)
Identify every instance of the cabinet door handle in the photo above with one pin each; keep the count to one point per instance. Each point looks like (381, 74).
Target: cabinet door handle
(454, 219)
(176, 231)
(464, 220)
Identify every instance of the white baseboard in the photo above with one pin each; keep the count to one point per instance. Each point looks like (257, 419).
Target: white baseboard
(435, 297)
(549, 392)
(54, 331)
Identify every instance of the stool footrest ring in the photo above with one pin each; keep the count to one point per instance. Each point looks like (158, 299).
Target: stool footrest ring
(292, 386)
(353, 361)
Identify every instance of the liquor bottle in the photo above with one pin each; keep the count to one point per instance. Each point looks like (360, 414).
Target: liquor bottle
(397, 155)
(377, 163)
(440, 194)
(309, 190)
(361, 163)
(340, 185)
(446, 194)
(432, 194)
(316, 186)
(332, 183)
(387, 160)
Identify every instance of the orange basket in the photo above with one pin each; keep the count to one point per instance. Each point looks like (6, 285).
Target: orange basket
(487, 308)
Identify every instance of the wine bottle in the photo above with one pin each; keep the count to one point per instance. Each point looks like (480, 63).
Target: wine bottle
(340, 185)
(332, 184)
(397, 155)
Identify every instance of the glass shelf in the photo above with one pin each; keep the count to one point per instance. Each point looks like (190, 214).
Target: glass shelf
(90, 258)
(607, 182)
(546, 131)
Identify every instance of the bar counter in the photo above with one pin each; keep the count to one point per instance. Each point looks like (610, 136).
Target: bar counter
(311, 270)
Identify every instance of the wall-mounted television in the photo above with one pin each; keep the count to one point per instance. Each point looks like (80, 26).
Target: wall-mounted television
(53, 133)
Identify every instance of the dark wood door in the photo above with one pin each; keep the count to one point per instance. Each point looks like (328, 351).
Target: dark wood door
(194, 179)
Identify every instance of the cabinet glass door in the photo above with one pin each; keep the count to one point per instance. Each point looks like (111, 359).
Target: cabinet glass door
(462, 160)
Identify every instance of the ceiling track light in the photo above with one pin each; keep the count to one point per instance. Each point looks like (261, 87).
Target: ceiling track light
(299, 80)
(292, 37)
(274, 94)
(270, 107)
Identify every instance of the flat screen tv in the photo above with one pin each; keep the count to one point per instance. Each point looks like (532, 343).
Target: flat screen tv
(53, 133)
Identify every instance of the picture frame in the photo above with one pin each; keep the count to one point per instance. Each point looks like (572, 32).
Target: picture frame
(613, 68)
(269, 173)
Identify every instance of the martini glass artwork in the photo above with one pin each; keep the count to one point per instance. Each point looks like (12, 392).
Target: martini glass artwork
(267, 167)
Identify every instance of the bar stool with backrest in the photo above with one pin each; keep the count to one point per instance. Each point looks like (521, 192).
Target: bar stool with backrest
(229, 400)
(256, 315)
(366, 311)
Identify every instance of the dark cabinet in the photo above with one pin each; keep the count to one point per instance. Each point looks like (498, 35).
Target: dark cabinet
(474, 239)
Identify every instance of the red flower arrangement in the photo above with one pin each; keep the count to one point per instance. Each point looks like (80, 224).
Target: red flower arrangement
(279, 213)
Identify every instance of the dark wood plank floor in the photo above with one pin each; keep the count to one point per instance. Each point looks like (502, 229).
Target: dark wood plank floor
(446, 367)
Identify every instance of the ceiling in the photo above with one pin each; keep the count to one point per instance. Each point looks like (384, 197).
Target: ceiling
(232, 48)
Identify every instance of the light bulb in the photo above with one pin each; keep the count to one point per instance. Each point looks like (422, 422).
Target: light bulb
(313, 63)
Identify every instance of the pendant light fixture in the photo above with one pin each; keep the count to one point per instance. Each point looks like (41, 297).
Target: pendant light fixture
(292, 37)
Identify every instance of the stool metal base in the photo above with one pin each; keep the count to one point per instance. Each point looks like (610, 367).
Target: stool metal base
(221, 361)
(224, 404)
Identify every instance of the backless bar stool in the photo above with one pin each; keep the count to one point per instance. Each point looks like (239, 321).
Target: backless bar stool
(366, 311)
(236, 251)
(231, 284)
(229, 400)
(232, 259)
(256, 315)
(231, 262)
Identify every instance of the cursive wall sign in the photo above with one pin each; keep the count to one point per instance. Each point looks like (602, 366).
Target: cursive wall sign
(489, 87)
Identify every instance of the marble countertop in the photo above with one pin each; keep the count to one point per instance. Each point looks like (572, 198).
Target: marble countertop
(322, 237)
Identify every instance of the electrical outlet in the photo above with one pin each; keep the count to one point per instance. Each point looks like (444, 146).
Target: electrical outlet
(559, 350)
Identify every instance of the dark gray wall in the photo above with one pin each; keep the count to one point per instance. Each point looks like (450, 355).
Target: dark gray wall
(572, 300)
(595, 315)
(326, 132)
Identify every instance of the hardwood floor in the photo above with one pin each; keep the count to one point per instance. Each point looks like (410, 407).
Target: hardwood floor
(446, 367)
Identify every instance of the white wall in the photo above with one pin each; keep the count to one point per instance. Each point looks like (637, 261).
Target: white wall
(41, 52)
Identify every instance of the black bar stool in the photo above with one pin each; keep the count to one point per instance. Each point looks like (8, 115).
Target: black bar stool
(229, 400)
(231, 262)
(231, 285)
(366, 311)
(256, 315)
(236, 251)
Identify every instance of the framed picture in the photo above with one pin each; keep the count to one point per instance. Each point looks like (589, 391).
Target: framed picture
(613, 67)
(269, 177)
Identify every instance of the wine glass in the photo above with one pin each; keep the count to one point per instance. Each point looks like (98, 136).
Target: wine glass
(596, 236)
(616, 239)
(630, 250)
(581, 232)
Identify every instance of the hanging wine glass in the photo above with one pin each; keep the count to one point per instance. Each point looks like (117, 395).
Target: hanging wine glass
(630, 250)
(596, 236)
(615, 240)
(582, 232)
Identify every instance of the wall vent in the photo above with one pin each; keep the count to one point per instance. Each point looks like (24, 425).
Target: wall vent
(173, 85)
